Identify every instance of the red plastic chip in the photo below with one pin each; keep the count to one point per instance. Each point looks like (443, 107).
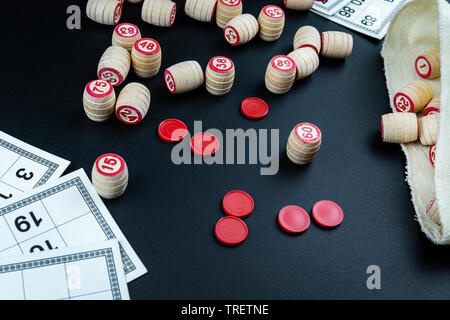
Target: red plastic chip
(238, 203)
(293, 219)
(204, 144)
(231, 231)
(254, 108)
(172, 130)
(327, 214)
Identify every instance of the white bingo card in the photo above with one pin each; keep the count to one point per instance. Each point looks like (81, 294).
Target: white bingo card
(371, 17)
(91, 272)
(65, 213)
(328, 7)
(24, 167)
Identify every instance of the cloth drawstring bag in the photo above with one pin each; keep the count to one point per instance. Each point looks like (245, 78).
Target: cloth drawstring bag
(420, 26)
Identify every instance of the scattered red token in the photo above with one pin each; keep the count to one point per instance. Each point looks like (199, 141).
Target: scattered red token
(231, 231)
(172, 130)
(204, 144)
(327, 214)
(254, 108)
(293, 219)
(238, 203)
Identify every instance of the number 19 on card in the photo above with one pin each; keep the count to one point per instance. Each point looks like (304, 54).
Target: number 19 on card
(25, 223)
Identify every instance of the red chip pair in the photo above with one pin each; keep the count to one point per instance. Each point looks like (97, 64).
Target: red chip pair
(232, 230)
(174, 130)
(294, 219)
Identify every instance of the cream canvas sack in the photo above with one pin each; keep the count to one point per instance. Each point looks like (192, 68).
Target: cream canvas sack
(420, 26)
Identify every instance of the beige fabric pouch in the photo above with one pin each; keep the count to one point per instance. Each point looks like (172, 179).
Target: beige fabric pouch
(420, 26)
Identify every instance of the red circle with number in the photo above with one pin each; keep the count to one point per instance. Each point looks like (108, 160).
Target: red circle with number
(403, 103)
(173, 14)
(231, 3)
(273, 12)
(432, 154)
(221, 64)
(283, 63)
(126, 30)
(99, 88)
(170, 82)
(118, 13)
(307, 132)
(147, 46)
(129, 114)
(110, 75)
(231, 35)
(431, 110)
(423, 67)
(110, 164)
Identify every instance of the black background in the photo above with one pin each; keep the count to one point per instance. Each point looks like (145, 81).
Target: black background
(168, 212)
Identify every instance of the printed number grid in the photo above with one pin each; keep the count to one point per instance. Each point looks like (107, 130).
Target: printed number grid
(69, 277)
(327, 5)
(369, 15)
(20, 168)
(37, 224)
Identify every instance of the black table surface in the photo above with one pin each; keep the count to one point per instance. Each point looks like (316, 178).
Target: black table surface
(168, 212)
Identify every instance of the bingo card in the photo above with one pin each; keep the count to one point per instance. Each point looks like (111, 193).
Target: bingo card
(24, 167)
(327, 7)
(65, 213)
(370, 17)
(92, 272)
